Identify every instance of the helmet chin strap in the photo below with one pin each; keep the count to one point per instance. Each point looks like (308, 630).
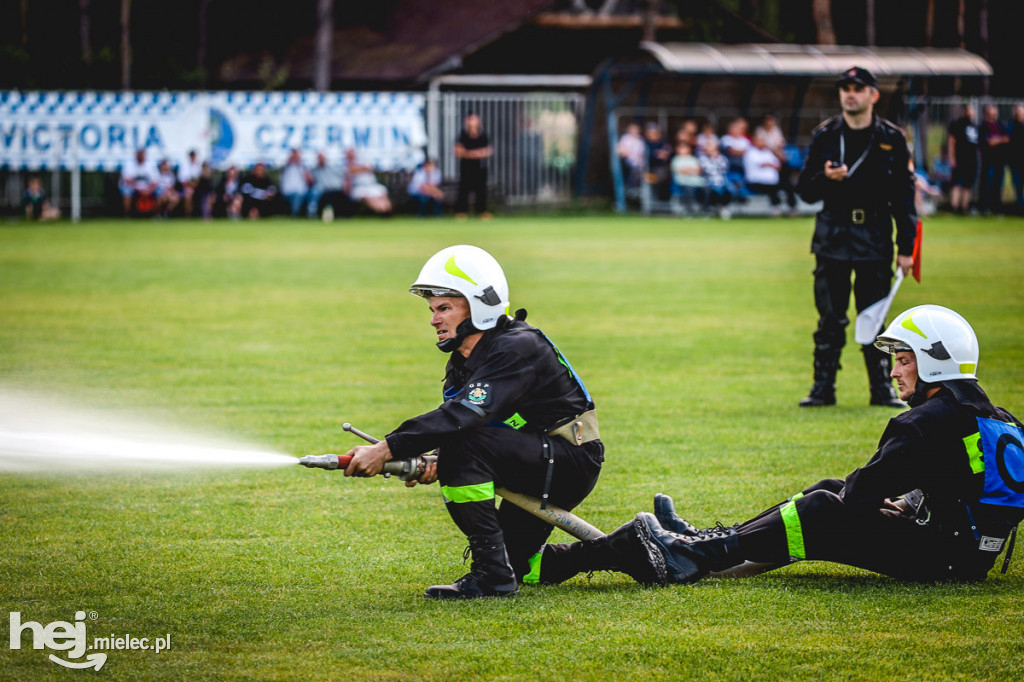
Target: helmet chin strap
(464, 329)
(920, 392)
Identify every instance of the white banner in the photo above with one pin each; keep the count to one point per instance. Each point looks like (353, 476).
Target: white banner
(102, 130)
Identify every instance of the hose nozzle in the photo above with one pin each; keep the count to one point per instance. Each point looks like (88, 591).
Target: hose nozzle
(319, 461)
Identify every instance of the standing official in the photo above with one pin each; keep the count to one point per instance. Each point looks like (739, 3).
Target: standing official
(859, 165)
(515, 415)
(472, 149)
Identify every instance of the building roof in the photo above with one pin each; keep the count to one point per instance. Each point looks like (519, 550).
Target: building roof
(813, 60)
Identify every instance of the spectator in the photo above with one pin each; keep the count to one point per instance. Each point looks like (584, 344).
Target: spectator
(189, 173)
(137, 184)
(776, 141)
(228, 199)
(687, 179)
(925, 193)
(633, 154)
(659, 158)
(472, 149)
(993, 142)
(714, 167)
(35, 205)
(363, 186)
(166, 194)
(425, 188)
(962, 144)
(295, 183)
(762, 169)
(258, 193)
(328, 191)
(687, 133)
(204, 191)
(706, 138)
(1015, 154)
(734, 145)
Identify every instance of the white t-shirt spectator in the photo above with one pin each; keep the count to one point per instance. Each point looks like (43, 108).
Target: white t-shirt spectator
(761, 166)
(189, 170)
(139, 176)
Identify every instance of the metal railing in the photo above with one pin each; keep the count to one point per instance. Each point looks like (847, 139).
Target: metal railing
(534, 136)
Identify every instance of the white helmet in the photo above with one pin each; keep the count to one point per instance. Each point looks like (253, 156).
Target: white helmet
(942, 341)
(472, 273)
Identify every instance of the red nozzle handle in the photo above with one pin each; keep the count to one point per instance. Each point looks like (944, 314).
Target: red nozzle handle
(343, 461)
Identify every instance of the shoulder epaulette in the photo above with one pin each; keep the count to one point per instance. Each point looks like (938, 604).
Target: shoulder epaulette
(827, 123)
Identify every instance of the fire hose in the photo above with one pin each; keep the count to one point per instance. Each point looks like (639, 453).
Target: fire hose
(412, 468)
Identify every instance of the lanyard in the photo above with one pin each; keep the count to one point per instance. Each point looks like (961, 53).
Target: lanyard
(858, 162)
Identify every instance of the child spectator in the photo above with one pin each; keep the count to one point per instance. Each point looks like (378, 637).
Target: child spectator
(35, 205)
(714, 167)
(687, 179)
(425, 188)
(632, 153)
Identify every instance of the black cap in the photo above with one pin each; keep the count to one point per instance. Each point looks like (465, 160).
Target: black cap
(856, 74)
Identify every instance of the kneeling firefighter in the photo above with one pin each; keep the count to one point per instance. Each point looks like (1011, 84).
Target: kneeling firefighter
(515, 415)
(961, 458)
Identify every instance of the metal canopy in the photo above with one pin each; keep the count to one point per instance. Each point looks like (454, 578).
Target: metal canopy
(814, 60)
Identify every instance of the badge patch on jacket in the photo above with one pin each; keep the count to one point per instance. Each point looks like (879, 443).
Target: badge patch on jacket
(886, 147)
(478, 393)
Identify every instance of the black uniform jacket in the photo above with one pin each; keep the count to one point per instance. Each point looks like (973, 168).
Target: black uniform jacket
(855, 222)
(924, 448)
(514, 378)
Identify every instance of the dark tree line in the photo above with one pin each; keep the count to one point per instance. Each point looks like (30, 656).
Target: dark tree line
(187, 44)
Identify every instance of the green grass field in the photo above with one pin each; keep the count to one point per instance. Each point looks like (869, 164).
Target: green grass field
(693, 336)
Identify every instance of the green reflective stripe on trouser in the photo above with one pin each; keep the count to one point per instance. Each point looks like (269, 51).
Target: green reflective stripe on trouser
(973, 445)
(468, 493)
(533, 577)
(794, 533)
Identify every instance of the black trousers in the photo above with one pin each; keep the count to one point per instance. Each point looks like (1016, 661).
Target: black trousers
(517, 461)
(818, 525)
(832, 286)
(472, 182)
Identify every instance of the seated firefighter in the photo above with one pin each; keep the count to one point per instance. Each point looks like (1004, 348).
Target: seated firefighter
(515, 415)
(961, 457)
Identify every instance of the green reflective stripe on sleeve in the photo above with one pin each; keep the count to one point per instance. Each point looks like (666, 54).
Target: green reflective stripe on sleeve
(794, 533)
(973, 445)
(515, 421)
(795, 497)
(533, 577)
(469, 493)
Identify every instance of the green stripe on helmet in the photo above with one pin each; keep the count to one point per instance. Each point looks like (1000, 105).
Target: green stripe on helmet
(794, 532)
(480, 492)
(909, 324)
(451, 268)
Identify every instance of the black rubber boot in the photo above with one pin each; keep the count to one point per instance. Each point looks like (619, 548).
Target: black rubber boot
(491, 574)
(823, 392)
(627, 549)
(879, 366)
(688, 558)
(665, 512)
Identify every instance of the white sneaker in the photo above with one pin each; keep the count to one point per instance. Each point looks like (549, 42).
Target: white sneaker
(725, 214)
(328, 214)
